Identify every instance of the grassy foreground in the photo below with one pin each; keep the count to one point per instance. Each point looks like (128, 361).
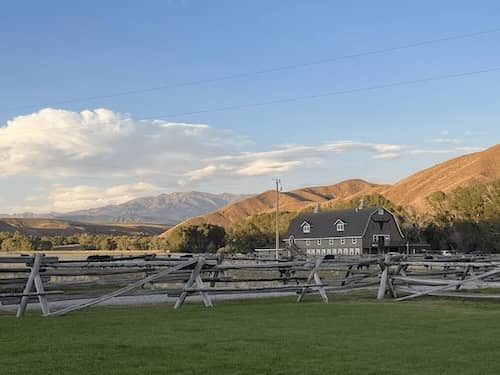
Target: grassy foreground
(274, 336)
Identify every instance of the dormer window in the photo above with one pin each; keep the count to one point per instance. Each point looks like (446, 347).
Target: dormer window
(380, 211)
(340, 225)
(306, 227)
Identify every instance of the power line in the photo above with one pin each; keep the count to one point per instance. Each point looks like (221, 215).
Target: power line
(328, 94)
(265, 71)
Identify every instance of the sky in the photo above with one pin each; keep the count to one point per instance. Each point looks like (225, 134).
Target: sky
(102, 102)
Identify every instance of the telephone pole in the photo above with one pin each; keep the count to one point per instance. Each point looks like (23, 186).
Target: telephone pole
(278, 188)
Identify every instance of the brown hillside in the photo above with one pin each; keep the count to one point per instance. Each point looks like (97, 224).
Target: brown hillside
(478, 167)
(289, 201)
(55, 227)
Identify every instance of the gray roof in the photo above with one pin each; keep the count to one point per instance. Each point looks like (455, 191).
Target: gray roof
(323, 223)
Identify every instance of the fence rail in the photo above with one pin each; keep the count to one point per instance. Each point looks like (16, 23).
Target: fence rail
(46, 280)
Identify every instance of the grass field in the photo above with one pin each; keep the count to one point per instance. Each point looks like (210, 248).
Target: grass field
(267, 336)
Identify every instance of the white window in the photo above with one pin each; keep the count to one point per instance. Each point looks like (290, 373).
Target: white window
(358, 251)
(351, 251)
(387, 237)
(342, 241)
(340, 226)
(308, 251)
(306, 228)
(330, 241)
(308, 242)
(323, 251)
(354, 240)
(318, 242)
(328, 251)
(380, 211)
(346, 251)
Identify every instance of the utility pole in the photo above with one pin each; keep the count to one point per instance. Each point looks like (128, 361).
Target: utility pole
(278, 188)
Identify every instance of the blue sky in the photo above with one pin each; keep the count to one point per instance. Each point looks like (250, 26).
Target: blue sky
(85, 152)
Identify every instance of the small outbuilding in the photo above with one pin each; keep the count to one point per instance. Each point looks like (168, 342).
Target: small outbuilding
(357, 231)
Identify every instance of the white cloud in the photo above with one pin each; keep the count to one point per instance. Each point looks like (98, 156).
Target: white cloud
(266, 166)
(387, 156)
(55, 143)
(201, 173)
(288, 157)
(445, 140)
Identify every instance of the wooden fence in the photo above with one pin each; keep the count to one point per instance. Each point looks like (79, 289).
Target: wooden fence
(48, 280)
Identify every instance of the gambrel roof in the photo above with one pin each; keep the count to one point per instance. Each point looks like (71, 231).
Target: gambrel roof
(323, 224)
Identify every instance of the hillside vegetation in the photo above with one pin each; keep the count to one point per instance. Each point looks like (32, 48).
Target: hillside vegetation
(53, 227)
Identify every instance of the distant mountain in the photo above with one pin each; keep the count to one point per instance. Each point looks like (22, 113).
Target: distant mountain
(169, 208)
(411, 192)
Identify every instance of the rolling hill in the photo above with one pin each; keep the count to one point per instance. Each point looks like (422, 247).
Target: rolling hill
(54, 227)
(466, 170)
(411, 192)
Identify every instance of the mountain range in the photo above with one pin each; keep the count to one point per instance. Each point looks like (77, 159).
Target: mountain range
(411, 192)
(170, 209)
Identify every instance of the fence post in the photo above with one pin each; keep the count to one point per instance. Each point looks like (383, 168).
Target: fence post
(195, 277)
(34, 278)
(314, 275)
(384, 277)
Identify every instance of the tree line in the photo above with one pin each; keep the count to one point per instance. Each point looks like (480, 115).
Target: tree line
(21, 242)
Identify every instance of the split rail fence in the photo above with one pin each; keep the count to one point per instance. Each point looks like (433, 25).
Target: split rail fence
(77, 284)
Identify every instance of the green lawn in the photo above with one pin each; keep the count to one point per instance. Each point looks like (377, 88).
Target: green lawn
(269, 336)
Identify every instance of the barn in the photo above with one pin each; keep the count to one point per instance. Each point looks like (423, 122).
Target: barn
(357, 231)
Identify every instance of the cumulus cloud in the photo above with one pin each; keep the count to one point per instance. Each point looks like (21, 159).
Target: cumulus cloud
(57, 143)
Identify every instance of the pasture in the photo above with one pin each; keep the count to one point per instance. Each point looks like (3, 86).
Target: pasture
(350, 335)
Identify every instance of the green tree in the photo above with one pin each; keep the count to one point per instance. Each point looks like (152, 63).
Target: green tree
(17, 242)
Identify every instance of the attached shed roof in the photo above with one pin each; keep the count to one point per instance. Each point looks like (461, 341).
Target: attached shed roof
(323, 223)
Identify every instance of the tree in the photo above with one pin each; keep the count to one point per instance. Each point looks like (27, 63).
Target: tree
(197, 238)
(17, 242)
